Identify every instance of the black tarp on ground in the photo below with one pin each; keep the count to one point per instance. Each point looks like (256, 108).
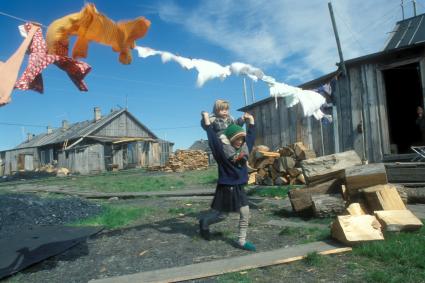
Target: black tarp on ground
(36, 243)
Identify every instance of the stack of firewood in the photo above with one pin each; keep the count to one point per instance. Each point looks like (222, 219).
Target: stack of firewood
(357, 194)
(184, 160)
(281, 167)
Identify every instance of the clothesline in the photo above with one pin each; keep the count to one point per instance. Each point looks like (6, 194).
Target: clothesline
(19, 19)
(310, 101)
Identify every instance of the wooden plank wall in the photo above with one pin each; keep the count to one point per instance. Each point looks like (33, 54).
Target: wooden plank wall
(122, 126)
(343, 102)
(373, 129)
(277, 127)
(12, 157)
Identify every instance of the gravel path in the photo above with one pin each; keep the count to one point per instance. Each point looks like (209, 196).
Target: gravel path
(20, 210)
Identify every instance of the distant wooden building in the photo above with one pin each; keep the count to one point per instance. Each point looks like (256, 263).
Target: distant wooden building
(117, 140)
(374, 106)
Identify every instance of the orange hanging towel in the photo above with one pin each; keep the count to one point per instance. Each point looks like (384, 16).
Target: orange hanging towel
(90, 25)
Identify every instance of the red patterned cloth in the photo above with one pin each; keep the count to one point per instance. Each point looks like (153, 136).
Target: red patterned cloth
(39, 60)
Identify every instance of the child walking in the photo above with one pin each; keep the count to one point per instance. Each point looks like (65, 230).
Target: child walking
(230, 195)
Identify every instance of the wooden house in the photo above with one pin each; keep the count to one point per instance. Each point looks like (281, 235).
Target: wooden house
(115, 141)
(373, 105)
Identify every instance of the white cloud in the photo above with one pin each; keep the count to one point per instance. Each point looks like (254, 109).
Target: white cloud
(295, 36)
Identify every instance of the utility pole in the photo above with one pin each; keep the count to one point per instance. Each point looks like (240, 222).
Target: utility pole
(338, 43)
(244, 92)
(252, 92)
(402, 8)
(414, 7)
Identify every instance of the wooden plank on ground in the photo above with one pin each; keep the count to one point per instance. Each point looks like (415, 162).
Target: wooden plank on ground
(383, 197)
(217, 267)
(363, 176)
(352, 229)
(329, 167)
(398, 220)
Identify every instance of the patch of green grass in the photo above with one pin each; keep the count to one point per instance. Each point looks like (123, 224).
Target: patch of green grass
(116, 216)
(138, 181)
(279, 191)
(306, 234)
(315, 259)
(235, 277)
(401, 256)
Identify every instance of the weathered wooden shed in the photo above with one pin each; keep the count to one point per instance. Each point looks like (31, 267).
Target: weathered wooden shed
(115, 141)
(374, 105)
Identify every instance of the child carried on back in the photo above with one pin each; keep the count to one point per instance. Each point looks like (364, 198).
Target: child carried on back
(224, 125)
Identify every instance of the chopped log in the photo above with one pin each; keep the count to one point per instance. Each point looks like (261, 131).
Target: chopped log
(301, 179)
(301, 198)
(284, 163)
(267, 180)
(263, 154)
(398, 220)
(356, 209)
(352, 229)
(344, 192)
(287, 151)
(411, 194)
(263, 163)
(252, 156)
(383, 197)
(364, 176)
(279, 181)
(329, 167)
(302, 152)
(252, 178)
(294, 172)
(327, 205)
(261, 173)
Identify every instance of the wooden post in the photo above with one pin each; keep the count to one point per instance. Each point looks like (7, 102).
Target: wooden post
(338, 43)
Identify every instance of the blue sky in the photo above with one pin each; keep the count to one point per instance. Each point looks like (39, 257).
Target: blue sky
(290, 40)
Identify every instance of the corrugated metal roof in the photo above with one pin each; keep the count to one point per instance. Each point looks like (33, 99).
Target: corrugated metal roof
(407, 32)
(75, 131)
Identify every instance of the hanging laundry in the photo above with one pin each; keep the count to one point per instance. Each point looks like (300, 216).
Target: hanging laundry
(310, 101)
(253, 73)
(39, 60)
(90, 25)
(9, 70)
(208, 70)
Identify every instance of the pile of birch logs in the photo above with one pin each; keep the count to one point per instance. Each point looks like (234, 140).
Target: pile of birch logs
(281, 167)
(184, 160)
(360, 197)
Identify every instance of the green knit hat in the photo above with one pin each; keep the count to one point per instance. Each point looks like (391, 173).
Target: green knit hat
(234, 131)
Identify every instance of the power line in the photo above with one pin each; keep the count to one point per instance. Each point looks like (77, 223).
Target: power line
(19, 19)
(23, 125)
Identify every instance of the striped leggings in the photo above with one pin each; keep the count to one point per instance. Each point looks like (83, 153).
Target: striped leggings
(215, 216)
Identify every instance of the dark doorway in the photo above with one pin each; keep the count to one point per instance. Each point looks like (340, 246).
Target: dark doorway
(404, 94)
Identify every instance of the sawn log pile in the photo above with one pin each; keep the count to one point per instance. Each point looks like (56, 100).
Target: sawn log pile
(184, 160)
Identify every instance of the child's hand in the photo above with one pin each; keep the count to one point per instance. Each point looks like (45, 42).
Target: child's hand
(205, 118)
(247, 116)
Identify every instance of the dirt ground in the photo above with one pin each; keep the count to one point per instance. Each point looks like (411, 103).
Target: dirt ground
(168, 237)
